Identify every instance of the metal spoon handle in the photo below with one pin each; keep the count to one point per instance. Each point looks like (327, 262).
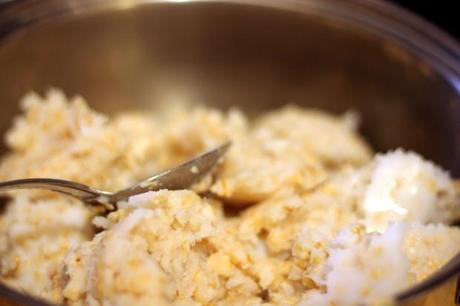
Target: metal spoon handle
(180, 177)
(76, 190)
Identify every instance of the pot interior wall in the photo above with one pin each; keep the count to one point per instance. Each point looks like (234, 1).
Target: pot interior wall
(237, 55)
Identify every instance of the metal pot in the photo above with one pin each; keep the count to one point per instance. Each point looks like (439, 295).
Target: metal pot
(401, 73)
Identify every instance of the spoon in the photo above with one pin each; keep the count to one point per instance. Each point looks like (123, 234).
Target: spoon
(180, 177)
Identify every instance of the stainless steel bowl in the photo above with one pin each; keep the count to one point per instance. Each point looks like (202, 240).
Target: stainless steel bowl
(401, 73)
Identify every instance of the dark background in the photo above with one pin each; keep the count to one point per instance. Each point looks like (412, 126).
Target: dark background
(440, 12)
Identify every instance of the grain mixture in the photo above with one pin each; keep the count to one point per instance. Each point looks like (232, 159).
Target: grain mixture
(325, 217)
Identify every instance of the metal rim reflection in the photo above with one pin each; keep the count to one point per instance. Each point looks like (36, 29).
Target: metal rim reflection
(384, 18)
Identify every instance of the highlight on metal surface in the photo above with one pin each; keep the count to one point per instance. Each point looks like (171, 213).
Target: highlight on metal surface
(180, 177)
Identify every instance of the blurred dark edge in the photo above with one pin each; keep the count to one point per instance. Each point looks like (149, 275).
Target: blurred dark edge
(13, 298)
(441, 13)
